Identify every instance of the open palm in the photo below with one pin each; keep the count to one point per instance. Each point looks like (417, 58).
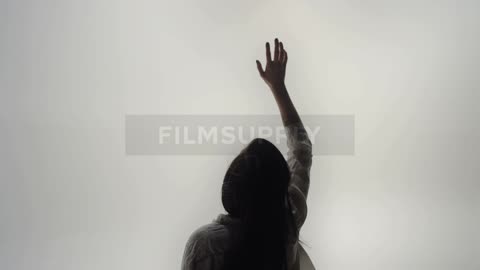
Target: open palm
(274, 73)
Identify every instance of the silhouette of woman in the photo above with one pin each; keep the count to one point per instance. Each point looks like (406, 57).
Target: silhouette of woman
(263, 194)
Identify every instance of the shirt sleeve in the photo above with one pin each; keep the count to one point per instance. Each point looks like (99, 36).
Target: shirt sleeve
(188, 256)
(193, 252)
(299, 159)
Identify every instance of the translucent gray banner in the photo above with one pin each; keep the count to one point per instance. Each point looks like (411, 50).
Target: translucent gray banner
(228, 134)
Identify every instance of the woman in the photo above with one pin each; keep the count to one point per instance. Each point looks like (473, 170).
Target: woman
(264, 195)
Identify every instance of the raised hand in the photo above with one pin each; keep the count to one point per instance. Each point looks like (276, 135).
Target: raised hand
(274, 73)
(274, 76)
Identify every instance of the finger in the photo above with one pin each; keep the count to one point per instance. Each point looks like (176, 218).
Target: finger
(260, 69)
(280, 53)
(269, 56)
(285, 58)
(275, 55)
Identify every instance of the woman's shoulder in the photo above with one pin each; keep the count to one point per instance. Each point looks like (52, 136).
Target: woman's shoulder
(207, 240)
(208, 233)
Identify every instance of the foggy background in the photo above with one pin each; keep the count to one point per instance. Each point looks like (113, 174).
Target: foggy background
(70, 198)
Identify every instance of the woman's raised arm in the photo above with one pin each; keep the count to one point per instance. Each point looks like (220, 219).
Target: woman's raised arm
(299, 156)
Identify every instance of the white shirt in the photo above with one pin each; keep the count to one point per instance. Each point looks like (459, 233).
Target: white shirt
(205, 247)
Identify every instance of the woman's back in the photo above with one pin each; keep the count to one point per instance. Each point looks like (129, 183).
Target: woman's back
(208, 244)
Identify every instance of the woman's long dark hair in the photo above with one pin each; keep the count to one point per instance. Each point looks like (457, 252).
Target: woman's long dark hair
(255, 191)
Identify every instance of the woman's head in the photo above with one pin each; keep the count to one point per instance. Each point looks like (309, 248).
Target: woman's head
(259, 175)
(255, 190)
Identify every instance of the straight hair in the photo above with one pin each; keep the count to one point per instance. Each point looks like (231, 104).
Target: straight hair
(255, 191)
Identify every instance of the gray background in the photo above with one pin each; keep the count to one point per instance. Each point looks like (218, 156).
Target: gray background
(71, 70)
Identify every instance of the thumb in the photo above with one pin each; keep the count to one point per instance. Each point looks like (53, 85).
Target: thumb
(260, 69)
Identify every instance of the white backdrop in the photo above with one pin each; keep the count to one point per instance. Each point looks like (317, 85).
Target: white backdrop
(70, 198)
